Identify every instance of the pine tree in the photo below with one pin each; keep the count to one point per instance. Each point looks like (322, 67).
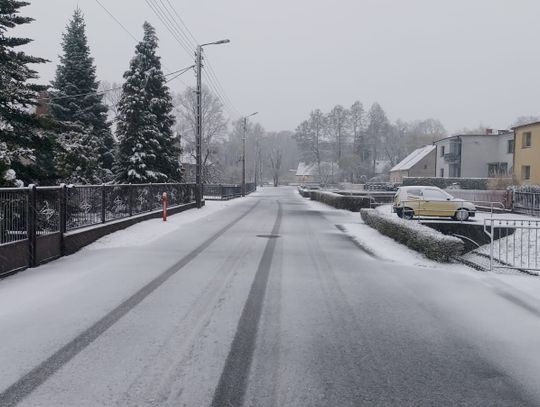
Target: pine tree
(19, 129)
(86, 138)
(148, 151)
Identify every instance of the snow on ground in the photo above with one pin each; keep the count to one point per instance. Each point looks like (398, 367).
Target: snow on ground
(383, 247)
(148, 231)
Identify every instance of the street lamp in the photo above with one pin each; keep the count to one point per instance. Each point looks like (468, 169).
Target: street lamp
(198, 136)
(244, 154)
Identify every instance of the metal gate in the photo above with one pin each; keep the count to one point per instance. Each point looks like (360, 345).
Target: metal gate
(514, 243)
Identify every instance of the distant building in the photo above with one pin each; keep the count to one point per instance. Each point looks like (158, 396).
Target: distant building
(488, 155)
(527, 153)
(323, 173)
(420, 163)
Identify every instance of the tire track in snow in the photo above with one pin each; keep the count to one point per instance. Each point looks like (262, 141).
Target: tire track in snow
(232, 384)
(37, 376)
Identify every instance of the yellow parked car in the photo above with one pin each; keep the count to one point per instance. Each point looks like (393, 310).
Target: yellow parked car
(430, 201)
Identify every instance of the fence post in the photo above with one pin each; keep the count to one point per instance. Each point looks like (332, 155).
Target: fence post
(103, 199)
(62, 197)
(31, 225)
(130, 199)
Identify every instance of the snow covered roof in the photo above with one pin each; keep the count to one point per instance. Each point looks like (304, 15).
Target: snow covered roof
(413, 158)
(305, 169)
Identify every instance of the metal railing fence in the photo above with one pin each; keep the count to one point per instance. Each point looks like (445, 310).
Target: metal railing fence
(226, 191)
(13, 214)
(513, 243)
(47, 210)
(526, 202)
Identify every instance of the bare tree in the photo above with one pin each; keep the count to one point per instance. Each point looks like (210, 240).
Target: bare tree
(213, 130)
(377, 130)
(112, 94)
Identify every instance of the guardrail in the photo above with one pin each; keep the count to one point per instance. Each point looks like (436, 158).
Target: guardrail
(513, 243)
(35, 220)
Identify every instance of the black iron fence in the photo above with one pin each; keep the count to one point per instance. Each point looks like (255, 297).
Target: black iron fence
(226, 191)
(33, 220)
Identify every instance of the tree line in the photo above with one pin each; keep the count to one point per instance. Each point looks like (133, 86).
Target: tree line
(77, 130)
(355, 145)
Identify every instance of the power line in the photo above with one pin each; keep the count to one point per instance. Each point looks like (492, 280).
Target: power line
(169, 25)
(192, 42)
(212, 73)
(175, 28)
(182, 22)
(102, 92)
(117, 21)
(133, 37)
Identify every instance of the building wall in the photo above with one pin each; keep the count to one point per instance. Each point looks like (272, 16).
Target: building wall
(477, 152)
(425, 167)
(441, 163)
(527, 155)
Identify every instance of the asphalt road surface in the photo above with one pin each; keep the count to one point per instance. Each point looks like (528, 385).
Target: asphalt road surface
(267, 303)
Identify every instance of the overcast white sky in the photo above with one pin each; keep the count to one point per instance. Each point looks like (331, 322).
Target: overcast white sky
(465, 62)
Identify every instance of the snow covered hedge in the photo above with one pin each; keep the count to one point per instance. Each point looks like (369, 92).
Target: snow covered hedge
(434, 245)
(351, 203)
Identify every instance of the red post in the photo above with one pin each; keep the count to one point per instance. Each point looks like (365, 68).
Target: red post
(165, 202)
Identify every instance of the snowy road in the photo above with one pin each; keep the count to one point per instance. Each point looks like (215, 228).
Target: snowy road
(263, 303)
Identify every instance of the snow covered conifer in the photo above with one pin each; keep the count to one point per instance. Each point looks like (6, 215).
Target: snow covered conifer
(18, 135)
(88, 146)
(147, 151)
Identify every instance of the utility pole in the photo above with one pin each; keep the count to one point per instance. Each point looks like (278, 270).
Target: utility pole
(244, 158)
(244, 154)
(199, 127)
(198, 137)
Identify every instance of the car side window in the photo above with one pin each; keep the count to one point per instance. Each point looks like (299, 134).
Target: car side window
(434, 195)
(414, 193)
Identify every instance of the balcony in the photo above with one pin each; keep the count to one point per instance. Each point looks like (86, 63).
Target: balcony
(452, 157)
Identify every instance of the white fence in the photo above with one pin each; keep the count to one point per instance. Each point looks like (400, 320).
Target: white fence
(514, 243)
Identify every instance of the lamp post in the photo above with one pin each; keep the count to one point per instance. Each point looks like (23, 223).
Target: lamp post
(244, 154)
(198, 135)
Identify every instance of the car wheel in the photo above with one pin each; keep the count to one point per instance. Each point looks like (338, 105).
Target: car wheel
(399, 212)
(408, 213)
(462, 214)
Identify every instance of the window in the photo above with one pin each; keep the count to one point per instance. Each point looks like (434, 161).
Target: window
(425, 166)
(414, 193)
(434, 195)
(525, 172)
(441, 172)
(442, 151)
(510, 146)
(526, 139)
(497, 169)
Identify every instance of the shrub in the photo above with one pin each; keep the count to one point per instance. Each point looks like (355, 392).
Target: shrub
(434, 245)
(351, 203)
(464, 183)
